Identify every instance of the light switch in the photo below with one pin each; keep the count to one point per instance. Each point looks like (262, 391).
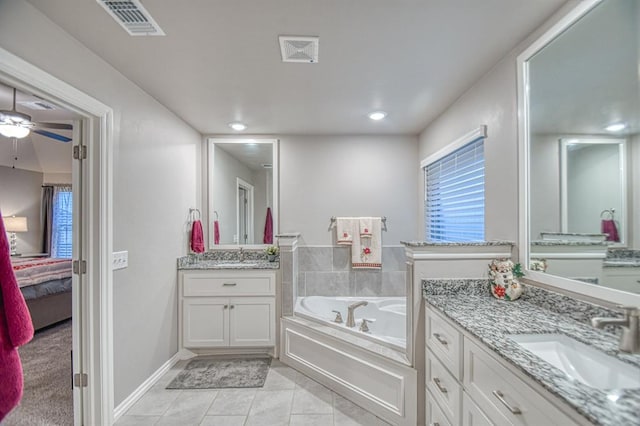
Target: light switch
(120, 259)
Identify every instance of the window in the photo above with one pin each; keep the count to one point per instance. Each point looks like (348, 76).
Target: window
(62, 223)
(454, 191)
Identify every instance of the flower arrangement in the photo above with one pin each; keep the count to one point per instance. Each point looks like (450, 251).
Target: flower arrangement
(271, 250)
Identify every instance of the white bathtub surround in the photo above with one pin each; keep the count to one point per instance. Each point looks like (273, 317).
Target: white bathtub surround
(288, 244)
(373, 375)
(386, 316)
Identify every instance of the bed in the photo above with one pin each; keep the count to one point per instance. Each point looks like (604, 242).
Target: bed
(46, 286)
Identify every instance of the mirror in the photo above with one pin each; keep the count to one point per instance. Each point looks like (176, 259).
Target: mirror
(242, 192)
(579, 105)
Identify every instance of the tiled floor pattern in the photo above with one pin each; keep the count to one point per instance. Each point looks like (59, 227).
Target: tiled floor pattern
(287, 398)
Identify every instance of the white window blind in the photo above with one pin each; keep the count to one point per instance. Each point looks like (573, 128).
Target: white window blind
(454, 195)
(62, 223)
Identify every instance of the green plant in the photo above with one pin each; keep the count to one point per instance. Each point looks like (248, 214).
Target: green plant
(271, 250)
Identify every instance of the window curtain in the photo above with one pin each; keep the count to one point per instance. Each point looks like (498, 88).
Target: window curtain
(47, 217)
(62, 222)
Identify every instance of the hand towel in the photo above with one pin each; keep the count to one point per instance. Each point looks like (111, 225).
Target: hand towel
(345, 227)
(197, 237)
(365, 227)
(608, 226)
(16, 329)
(268, 228)
(216, 232)
(366, 252)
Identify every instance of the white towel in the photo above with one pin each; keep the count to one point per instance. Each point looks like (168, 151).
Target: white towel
(345, 227)
(365, 227)
(366, 251)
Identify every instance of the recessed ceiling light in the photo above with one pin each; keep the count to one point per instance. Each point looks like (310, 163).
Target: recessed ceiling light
(377, 115)
(237, 126)
(616, 127)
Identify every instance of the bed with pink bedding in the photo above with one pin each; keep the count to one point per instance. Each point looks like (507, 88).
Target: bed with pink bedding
(46, 286)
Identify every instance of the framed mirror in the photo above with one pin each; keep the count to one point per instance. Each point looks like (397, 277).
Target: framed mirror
(242, 192)
(579, 135)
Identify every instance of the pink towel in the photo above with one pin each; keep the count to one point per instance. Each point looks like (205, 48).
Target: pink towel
(608, 226)
(216, 232)
(16, 329)
(268, 228)
(197, 237)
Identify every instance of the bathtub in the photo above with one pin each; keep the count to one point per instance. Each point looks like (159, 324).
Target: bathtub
(388, 315)
(371, 370)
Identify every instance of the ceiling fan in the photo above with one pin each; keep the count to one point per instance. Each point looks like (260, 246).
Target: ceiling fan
(14, 124)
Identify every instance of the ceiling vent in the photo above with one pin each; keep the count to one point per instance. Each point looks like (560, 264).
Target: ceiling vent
(37, 105)
(299, 49)
(132, 16)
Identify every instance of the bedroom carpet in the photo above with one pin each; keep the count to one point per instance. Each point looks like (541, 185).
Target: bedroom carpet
(217, 373)
(46, 361)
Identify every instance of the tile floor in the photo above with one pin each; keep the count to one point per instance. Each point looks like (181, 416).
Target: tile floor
(287, 398)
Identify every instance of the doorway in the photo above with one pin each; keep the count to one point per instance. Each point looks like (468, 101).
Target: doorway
(245, 212)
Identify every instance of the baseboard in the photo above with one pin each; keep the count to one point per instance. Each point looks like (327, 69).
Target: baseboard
(145, 386)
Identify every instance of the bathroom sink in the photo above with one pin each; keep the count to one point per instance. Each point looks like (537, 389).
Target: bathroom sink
(580, 362)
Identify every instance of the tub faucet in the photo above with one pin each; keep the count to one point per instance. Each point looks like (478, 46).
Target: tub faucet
(630, 337)
(350, 319)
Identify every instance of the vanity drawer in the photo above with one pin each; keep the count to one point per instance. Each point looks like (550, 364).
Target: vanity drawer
(445, 341)
(444, 388)
(247, 283)
(505, 398)
(435, 416)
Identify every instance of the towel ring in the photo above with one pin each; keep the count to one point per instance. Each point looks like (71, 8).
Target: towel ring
(215, 213)
(610, 212)
(194, 214)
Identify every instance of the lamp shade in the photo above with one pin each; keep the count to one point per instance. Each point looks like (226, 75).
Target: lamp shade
(15, 223)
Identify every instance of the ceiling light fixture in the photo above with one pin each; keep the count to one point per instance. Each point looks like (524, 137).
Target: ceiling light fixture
(377, 115)
(237, 126)
(14, 124)
(616, 127)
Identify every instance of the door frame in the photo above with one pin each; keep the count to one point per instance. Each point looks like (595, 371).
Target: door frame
(249, 213)
(97, 196)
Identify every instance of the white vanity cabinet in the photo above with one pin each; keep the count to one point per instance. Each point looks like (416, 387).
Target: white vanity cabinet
(227, 308)
(467, 385)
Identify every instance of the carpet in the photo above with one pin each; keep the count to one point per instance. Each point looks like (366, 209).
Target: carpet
(46, 362)
(217, 373)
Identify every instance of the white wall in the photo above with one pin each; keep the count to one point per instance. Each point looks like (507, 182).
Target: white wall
(156, 179)
(545, 185)
(57, 178)
(492, 101)
(325, 176)
(21, 195)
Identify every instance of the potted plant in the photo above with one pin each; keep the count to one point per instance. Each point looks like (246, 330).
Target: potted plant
(271, 252)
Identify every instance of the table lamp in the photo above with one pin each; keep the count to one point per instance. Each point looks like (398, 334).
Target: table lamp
(14, 224)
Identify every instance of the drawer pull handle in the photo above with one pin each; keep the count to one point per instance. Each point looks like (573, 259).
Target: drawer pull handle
(500, 396)
(229, 284)
(434, 424)
(440, 339)
(438, 383)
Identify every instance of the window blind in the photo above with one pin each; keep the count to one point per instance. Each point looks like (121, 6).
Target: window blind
(62, 224)
(454, 195)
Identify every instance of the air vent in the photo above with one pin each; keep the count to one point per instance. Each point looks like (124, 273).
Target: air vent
(37, 105)
(299, 49)
(132, 16)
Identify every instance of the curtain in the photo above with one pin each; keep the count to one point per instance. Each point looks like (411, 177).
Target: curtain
(62, 226)
(46, 216)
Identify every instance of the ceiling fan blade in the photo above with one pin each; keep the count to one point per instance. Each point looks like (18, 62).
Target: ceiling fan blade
(52, 135)
(59, 126)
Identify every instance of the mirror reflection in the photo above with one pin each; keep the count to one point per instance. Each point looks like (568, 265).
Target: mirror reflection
(241, 192)
(584, 146)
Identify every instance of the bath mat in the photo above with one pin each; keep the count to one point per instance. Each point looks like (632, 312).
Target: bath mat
(217, 373)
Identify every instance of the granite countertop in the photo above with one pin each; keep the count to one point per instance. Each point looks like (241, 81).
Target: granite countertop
(441, 244)
(622, 263)
(492, 320)
(568, 243)
(221, 264)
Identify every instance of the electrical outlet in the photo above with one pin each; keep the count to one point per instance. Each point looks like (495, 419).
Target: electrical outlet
(120, 259)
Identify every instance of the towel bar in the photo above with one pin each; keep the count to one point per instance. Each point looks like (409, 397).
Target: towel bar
(333, 222)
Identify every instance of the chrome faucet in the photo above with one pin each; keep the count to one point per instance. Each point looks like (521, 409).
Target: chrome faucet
(350, 319)
(241, 255)
(630, 337)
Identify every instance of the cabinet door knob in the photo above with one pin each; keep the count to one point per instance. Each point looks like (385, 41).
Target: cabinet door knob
(440, 339)
(226, 306)
(500, 396)
(439, 384)
(232, 306)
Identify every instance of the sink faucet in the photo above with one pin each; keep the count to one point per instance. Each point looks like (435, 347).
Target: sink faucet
(241, 255)
(350, 319)
(630, 337)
